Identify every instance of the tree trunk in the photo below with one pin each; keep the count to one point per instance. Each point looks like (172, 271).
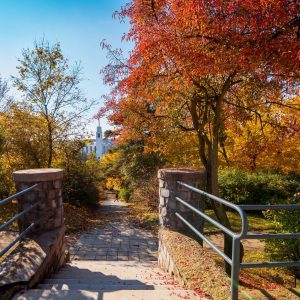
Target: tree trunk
(212, 188)
(50, 146)
(212, 181)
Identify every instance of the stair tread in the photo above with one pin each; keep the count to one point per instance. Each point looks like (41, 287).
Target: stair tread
(139, 264)
(134, 281)
(109, 281)
(116, 295)
(108, 286)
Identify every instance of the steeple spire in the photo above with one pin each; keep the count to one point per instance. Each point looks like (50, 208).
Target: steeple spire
(99, 141)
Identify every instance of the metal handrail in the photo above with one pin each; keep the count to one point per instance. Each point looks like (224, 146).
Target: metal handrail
(271, 207)
(234, 261)
(224, 202)
(16, 195)
(16, 217)
(204, 238)
(18, 238)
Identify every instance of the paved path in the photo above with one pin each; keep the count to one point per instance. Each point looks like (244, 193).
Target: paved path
(113, 262)
(118, 240)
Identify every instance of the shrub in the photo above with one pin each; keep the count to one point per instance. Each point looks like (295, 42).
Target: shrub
(285, 221)
(241, 187)
(79, 188)
(124, 194)
(146, 193)
(7, 184)
(81, 177)
(131, 170)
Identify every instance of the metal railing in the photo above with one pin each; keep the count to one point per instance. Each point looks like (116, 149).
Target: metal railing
(234, 261)
(16, 217)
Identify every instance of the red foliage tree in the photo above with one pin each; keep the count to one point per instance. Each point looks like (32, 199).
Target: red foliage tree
(212, 50)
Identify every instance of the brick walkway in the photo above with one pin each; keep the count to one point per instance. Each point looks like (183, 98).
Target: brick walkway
(118, 240)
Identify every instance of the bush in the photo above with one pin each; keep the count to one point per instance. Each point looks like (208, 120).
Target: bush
(124, 194)
(131, 170)
(7, 184)
(6, 181)
(286, 221)
(257, 188)
(146, 193)
(81, 178)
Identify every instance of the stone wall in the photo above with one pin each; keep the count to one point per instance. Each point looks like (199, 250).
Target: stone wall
(166, 261)
(42, 252)
(169, 189)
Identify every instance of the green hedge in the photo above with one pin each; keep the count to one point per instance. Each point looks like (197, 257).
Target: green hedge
(285, 221)
(242, 187)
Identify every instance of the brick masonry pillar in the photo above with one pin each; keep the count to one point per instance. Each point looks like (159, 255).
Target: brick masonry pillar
(48, 215)
(169, 189)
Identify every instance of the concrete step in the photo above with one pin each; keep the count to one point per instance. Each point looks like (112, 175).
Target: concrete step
(113, 271)
(108, 287)
(121, 274)
(121, 264)
(110, 280)
(109, 270)
(116, 295)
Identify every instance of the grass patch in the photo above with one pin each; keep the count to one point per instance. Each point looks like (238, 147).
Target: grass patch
(256, 222)
(260, 283)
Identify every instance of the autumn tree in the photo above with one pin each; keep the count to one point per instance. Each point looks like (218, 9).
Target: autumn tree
(192, 62)
(268, 141)
(25, 137)
(50, 89)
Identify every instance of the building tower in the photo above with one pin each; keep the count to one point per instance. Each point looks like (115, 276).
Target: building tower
(99, 141)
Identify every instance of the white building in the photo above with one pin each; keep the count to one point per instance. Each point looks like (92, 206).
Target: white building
(100, 145)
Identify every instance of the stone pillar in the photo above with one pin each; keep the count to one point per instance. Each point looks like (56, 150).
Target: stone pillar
(169, 189)
(48, 215)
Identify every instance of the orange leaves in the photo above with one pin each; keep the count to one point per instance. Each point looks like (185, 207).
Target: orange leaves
(180, 46)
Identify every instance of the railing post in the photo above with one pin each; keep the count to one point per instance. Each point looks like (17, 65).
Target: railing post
(169, 189)
(49, 214)
(235, 268)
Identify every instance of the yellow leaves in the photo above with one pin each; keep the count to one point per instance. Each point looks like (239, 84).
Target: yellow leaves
(25, 136)
(109, 157)
(272, 144)
(113, 183)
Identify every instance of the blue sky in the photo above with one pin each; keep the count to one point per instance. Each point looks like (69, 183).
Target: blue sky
(79, 25)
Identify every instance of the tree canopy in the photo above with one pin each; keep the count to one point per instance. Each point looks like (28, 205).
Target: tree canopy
(207, 67)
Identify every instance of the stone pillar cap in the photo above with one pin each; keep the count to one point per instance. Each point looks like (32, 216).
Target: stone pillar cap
(37, 175)
(185, 172)
(181, 170)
